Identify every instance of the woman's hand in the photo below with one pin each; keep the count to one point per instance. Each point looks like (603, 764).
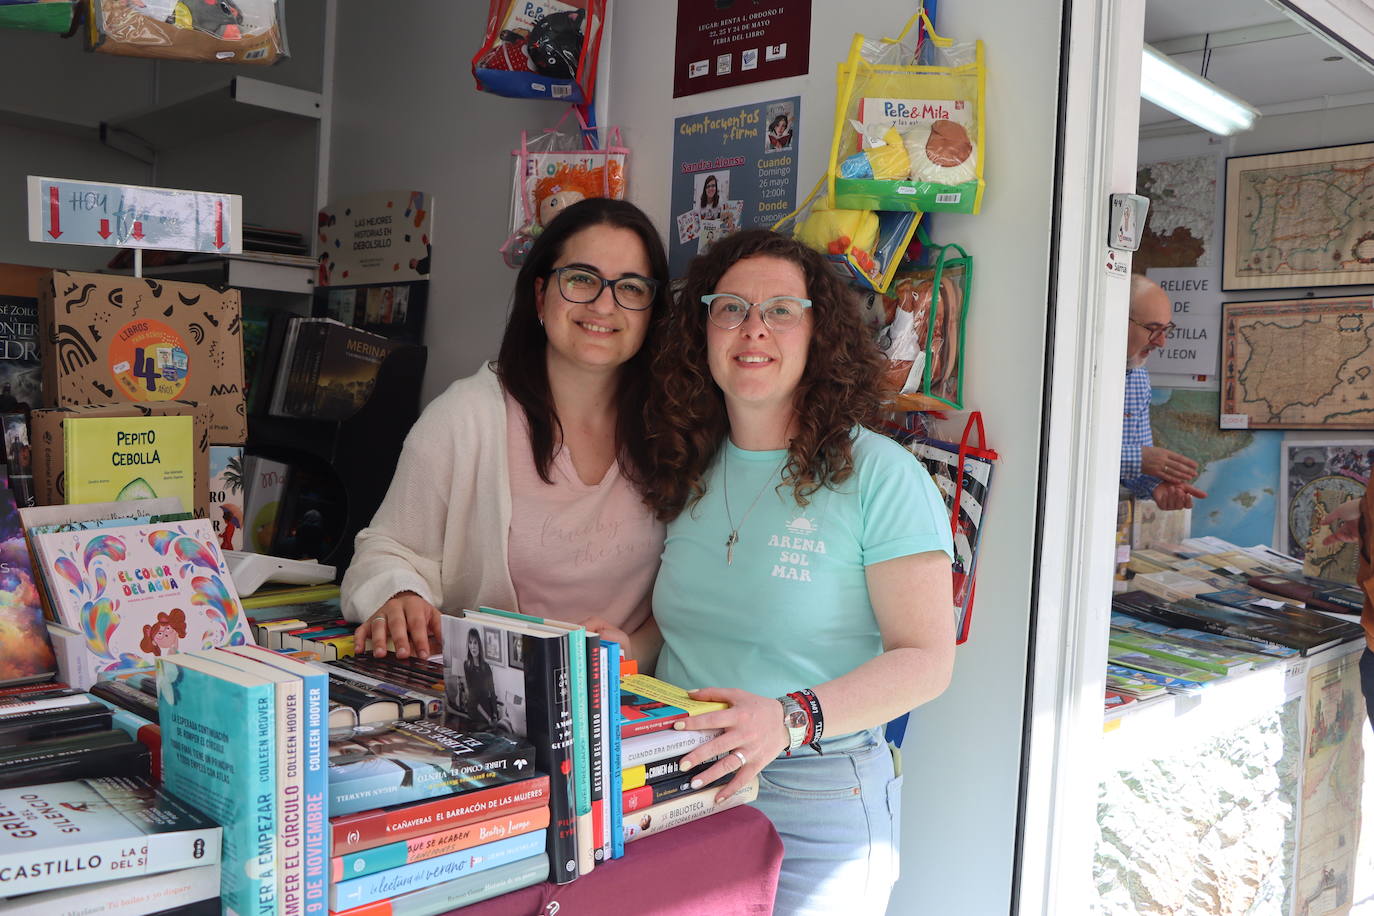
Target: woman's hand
(410, 621)
(611, 633)
(1344, 523)
(753, 736)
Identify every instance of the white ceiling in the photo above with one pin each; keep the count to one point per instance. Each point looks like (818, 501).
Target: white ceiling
(1263, 73)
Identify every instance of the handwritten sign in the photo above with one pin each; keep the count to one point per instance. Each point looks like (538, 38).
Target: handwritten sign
(70, 212)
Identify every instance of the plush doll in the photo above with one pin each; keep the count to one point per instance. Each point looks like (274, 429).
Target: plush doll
(842, 232)
(220, 18)
(555, 43)
(569, 184)
(886, 161)
(941, 152)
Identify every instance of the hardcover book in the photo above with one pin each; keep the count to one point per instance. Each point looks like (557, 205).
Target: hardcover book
(119, 458)
(70, 833)
(20, 370)
(411, 761)
(142, 592)
(219, 748)
(26, 653)
(380, 826)
(345, 371)
(1225, 620)
(165, 893)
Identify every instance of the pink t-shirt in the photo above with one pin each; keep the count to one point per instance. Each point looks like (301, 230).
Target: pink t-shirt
(577, 550)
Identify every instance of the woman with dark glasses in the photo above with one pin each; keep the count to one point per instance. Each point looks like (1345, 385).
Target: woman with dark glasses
(520, 486)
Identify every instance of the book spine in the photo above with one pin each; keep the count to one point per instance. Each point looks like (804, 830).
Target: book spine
(316, 784)
(355, 892)
(582, 783)
(284, 365)
(144, 732)
(131, 759)
(137, 896)
(460, 892)
(431, 707)
(549, 717)
(609, 777)
(684, 809)
(637, 727)
(431, 846)
(649, 748)
(612, 681)
(655, 792)
(307, 392)
(379, 827)
(36, 726)
(119, 694)
(377, 707)
(595, 758)
(102, 860)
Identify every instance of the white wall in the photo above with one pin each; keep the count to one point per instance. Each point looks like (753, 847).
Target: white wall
(406, 115)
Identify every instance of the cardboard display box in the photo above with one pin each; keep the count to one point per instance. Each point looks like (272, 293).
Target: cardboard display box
(108, 339)
(48, 442)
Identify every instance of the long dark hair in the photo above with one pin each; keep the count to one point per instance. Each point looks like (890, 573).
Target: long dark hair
(839, 388)
(521, 365)
(710, 202)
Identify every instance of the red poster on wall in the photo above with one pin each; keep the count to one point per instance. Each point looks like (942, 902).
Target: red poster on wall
(724, 43)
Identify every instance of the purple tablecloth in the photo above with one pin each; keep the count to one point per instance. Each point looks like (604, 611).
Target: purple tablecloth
(725, 863)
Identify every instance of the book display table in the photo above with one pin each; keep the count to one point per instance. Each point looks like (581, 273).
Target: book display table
(1242, 799)
(725, 863)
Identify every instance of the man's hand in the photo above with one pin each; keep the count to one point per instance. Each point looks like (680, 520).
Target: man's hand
(1344, 522)
(1170, 467)
(1171, 496)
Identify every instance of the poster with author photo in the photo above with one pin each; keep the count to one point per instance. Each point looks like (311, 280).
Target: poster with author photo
(733, 168)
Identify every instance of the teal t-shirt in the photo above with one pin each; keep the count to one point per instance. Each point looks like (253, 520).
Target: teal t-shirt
(792, 610)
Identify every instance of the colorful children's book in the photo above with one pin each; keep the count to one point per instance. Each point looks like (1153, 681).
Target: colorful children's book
(264, 484)
(649, 705)
(219, 748)
(118, 458)
(143, 591)
(88, 830)
(26, 653)
(226, 495)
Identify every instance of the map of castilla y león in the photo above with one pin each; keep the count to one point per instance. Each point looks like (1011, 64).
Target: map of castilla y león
(1298, 364)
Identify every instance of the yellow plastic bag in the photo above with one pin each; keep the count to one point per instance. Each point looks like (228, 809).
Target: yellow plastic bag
(909, 136)
(864, 245)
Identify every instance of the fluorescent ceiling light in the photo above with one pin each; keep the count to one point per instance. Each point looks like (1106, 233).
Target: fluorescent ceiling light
(1191, 97)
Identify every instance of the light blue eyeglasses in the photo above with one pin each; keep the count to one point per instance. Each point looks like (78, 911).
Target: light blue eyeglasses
(780, 313)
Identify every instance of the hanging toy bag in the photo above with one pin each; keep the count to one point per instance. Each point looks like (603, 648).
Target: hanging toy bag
(555, 168)
(541, 49)
(242, 32)
(909, 136)
(864, 245)
(926, 313)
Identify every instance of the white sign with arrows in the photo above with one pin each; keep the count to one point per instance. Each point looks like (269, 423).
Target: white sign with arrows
(71, 212)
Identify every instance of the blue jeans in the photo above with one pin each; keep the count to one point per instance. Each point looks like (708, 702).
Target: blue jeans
(839, 816)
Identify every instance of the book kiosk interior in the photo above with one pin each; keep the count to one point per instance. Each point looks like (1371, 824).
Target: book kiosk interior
(243, 247)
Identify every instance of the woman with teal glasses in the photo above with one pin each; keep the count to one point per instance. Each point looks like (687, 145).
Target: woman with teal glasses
(806, 571)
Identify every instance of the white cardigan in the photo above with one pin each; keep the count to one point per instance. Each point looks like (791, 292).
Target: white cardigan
(443, 529)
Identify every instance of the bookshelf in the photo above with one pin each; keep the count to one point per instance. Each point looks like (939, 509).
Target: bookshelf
(360, 452)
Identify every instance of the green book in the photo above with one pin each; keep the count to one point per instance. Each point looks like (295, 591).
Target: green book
(1165, 648)
(112, 459)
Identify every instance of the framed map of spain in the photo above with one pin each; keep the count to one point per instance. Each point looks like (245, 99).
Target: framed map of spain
(1298, 364)
(1300, 219)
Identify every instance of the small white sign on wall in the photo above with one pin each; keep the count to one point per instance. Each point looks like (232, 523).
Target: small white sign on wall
(1192, 347)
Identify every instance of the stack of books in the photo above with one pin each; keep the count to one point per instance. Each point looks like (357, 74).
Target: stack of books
(106, 845)
(326, 370)
(421, 808)
(50, 731)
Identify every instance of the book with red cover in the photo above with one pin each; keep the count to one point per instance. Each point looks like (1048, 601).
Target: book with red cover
(641, 715)
(368, 829)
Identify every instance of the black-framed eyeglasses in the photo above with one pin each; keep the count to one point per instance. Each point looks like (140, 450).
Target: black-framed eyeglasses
(583, 285)
(1154, 330)
(781, 313)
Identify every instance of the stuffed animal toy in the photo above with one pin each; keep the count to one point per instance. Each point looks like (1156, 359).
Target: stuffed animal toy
(941, 152)
(510, 54)
(220, 18)
(887, 161)
(555, 43)
(569, 184)
(842, 232)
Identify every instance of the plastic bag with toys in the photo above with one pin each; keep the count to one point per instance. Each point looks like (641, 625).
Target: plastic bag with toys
(541, 49)
(554, 169)
(908, 135)
(238, 32)
(865, 246)
(923, 337)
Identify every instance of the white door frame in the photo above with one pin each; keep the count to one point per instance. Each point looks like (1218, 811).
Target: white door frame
(1098, 138)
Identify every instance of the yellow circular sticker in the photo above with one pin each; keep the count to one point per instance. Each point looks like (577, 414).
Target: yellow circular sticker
(149, 361)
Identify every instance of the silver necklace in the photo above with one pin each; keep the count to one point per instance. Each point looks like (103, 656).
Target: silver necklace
(733, 539)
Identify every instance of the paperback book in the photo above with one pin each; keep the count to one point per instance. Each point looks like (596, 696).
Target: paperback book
(649, 705)
(26, 652)
(460, 892)
(176, 893)
(119, 458)
(84, 831)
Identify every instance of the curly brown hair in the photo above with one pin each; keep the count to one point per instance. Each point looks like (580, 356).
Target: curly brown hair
(685, 414)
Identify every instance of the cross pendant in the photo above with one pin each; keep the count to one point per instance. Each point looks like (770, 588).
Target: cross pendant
(730, 543)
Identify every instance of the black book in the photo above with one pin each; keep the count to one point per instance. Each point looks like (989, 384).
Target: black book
(128, 759)
(670, 769)
(53, 723)
(1219, 618)
(1290, 614)
(371, 707)
(268, 361)
(127, 697)
(62, 744)
(524, 686)
(209, 907)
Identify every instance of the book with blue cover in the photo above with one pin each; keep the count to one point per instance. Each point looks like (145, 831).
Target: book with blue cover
(219, 751)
